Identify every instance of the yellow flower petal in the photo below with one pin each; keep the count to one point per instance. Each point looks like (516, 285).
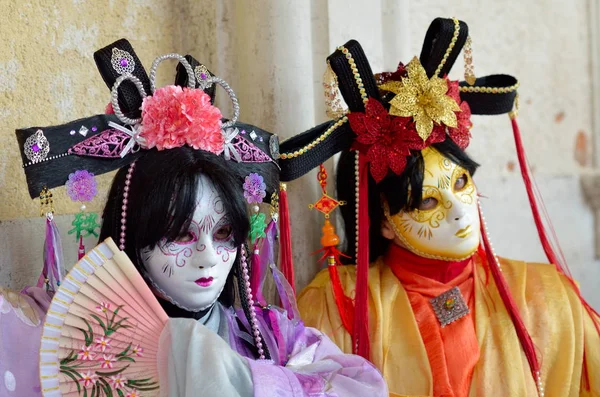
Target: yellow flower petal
(392, 86)
(450, 103)
(405, 104)
(438, 87)
(449, 119)
(423, 99)
(417, 76)
(424, 125)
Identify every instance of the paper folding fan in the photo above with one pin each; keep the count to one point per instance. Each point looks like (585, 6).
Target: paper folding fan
(101, 334)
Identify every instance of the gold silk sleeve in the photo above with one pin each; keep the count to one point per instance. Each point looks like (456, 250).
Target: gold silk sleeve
(396, 347)
(318, 309)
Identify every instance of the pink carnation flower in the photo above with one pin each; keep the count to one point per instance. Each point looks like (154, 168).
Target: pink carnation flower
(176, 116)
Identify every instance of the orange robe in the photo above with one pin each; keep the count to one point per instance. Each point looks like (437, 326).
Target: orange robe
(565, 337)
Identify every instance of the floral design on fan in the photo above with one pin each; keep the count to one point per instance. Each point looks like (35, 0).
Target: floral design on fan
(94, 358)
(81, 186)
(174, 116)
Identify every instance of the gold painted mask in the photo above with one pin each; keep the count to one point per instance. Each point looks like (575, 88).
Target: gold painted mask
(446, 225)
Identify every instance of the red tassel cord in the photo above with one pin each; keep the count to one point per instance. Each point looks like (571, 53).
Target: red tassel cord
(536, 202)
(511, 306)
(81, 250)
(331, 254)
(285, 239)
(361, 317)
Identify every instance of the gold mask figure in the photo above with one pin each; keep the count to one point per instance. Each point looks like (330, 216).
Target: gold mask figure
(446, 224)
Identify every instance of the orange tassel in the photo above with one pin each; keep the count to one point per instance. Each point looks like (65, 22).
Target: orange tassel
(285, 239)
(345, 306)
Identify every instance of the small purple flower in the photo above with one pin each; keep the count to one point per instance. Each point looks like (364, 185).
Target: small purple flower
(254, 188)
(81, 186)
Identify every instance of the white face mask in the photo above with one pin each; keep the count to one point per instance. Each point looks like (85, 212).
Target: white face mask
(191, 271)
(446, 226)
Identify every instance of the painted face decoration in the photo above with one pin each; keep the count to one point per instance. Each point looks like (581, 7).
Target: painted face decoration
(191, 272)
(446, 225)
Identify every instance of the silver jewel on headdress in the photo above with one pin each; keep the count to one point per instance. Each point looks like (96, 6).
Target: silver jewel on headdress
(36, 147)
(83, 131)
(202, 77)
(274, 147)
(114, 98)
(122, 61)
(182, 60)
(234, 101)
(253, 135)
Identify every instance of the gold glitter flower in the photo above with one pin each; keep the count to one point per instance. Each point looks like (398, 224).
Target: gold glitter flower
(423, 99)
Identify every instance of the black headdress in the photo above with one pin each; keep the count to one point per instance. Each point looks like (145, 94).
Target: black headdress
(50, 154)
(489, 95)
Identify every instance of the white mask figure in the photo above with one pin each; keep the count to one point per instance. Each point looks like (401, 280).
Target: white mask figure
(446, 226)
(191, 272)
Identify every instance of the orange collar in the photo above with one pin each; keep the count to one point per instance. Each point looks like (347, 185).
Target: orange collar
(411, 268)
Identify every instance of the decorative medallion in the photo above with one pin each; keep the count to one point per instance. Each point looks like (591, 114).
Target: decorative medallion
(325, 204)
(449, 306)
(36, 147)
(254, 188)
(202, 75)
(274, 147)
(81, 186)
(122, 61)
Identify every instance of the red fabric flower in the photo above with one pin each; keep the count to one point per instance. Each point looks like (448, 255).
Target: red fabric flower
(461, 135)
(384, 77)
(175, 116)
(438, 134)
(385, 140)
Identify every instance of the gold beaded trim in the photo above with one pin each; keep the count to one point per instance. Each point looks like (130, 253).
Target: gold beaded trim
(359, 82)
(490, 90)
(363, 95)
(306, 148)
(450, 47)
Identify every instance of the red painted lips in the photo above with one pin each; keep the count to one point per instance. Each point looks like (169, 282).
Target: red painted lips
(204, 281)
